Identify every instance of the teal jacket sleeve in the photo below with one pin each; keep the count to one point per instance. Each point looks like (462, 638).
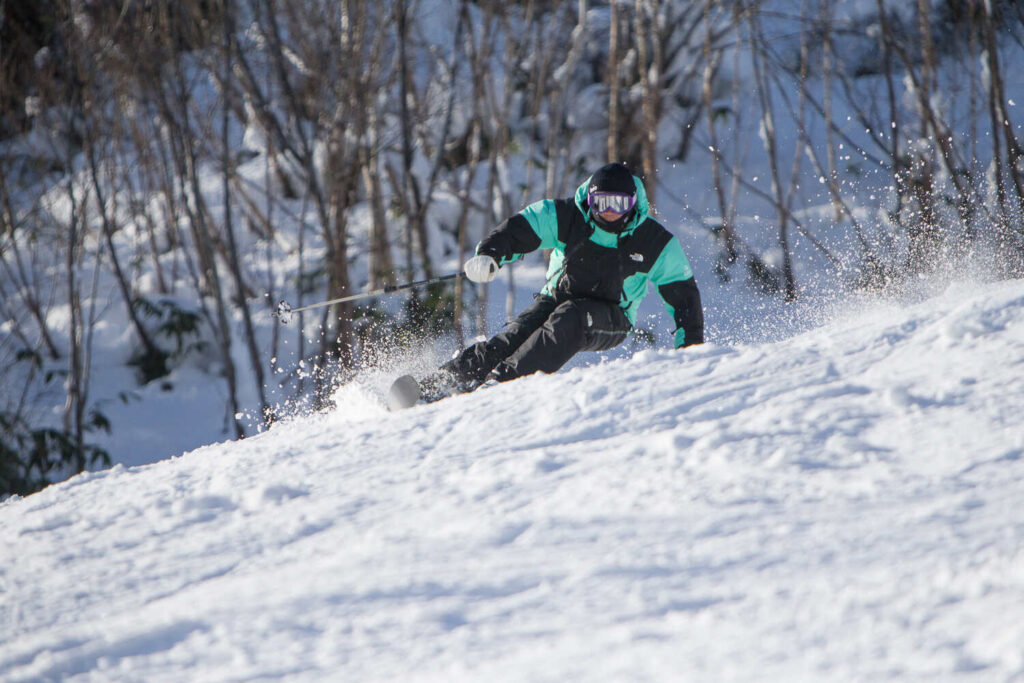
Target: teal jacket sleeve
(673, 277)
(535, 227)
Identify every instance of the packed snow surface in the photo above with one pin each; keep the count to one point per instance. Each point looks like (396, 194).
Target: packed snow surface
(847, 504)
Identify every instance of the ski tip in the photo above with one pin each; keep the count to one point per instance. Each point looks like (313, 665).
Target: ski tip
(404, 393)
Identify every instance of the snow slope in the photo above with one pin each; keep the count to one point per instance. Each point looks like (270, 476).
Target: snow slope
(842, 505)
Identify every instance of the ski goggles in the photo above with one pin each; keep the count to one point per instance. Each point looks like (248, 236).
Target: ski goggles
(616, 202)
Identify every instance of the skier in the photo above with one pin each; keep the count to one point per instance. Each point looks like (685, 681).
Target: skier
(606, 248)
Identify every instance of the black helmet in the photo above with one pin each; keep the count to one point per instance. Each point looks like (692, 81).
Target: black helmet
(611, 191)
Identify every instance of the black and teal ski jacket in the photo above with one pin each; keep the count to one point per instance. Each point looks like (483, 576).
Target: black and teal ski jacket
(587, 261)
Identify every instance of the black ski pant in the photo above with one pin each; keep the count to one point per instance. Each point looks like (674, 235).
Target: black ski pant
(543, 337)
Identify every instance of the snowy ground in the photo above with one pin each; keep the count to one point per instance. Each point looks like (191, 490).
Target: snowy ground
(843, 505)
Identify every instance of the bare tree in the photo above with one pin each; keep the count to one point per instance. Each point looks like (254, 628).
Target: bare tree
(234, 265)
(649, 63)
(712, 60)
(1005, 146)
(768, 133)
(614, 80)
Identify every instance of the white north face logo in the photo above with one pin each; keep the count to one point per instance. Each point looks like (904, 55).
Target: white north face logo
(639, 258)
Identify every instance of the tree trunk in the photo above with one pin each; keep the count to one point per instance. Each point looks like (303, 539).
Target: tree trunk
(381, 268)
(612, 75)
(771, 149)
(650, 86)
(415, 213)
(255, 359)
(710, 68)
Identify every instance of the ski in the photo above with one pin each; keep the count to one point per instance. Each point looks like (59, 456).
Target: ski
(407, 391)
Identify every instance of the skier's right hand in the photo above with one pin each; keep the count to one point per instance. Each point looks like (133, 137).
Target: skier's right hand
(481, 268)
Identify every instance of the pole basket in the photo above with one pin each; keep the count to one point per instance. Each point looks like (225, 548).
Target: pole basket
(283, 312)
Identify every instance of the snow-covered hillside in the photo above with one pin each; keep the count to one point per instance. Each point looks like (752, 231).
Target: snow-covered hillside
(842, 505)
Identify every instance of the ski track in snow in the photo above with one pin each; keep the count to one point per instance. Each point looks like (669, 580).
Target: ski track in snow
(844, 505)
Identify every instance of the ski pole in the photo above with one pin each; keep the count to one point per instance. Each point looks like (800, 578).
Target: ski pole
(284, 310)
